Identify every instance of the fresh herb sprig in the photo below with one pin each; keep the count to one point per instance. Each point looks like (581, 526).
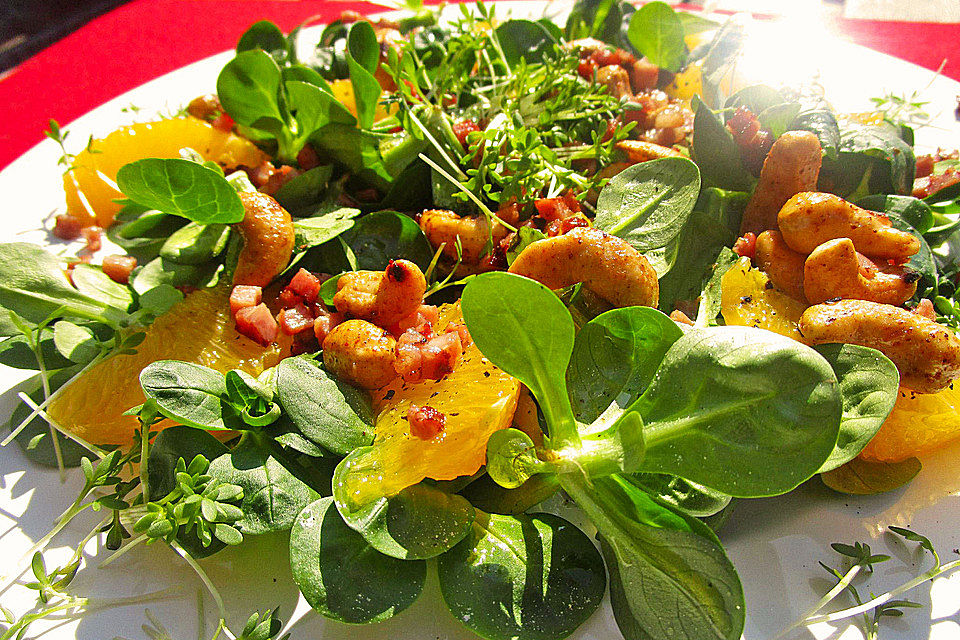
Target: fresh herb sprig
(889, 604)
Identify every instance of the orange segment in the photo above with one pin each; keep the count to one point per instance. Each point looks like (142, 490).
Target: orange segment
(688, 82)
(343, 91)
(90, 185)
(918, 424)
(199, 329)
(748, 299)
(477, 399)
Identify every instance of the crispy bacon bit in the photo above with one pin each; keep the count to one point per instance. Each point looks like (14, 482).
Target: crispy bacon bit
(560, 227)
(426, 422)
(260, 174)
(462, 331)
(924, 166)
(496, 260)
(746, 245)
(586, 69)
(324, 322)
(223, 122)
(288, 298)
(244, 296)
(422, 320)
(73, 262)
(67, 227)
(93, 236)
(268, 178)
(308, 158)
(257, 323)
(643, 75)
(427, 358)
(926, 162)
(118, 268)
(931, 184)
(296, 320)
(305, 285)
(679, 316)
(464, 128)
(280, 177)
(754, 142)
(925, 309)
(551, 209)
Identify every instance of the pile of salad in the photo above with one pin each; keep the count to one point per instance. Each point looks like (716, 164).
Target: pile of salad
(394, 295)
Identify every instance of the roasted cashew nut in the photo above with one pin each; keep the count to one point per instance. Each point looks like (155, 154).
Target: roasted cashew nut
(809, 219)
(268, 237)
(927, 354)
(605, 264)
(833, 271)
(443, 227)
(360, 353)
(639, 151)
(791, 166)
(616, 79)
(381, 297)
(783, 265)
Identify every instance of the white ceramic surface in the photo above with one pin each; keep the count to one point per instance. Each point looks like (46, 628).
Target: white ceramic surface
(775, 543)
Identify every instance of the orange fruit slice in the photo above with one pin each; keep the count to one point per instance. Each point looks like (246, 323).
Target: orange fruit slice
(198, 329)
(688, 82)
(477, 399)
(748, 299)
(90, 186)
(918, 424)
(343, 91)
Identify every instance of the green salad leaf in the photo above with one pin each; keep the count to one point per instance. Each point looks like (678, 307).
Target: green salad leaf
(370, 587)
(181, 187)
(528, 577)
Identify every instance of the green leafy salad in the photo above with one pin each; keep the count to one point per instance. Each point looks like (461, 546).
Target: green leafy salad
(404, 295)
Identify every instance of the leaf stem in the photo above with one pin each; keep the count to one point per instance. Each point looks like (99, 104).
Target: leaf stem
(53, 396)
(122, 550)
(65, 518)
(97, 451)
(886, 597)
(203, 577)
(839, 588)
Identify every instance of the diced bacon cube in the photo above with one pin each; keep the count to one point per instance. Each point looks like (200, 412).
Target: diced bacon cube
(643, 75)
(118, 268)
(421, 358)
(243, 296)
(93, 236)
(324, 322)
(257, 323)
(295, 320)
(461, 330)
(288, 298)
(464, 128)
(440, 355)
(223, 122)
(67, 227)
(422, 320)
(926, 309)
(426, 422)
(553, 208)
(306, 285)
(746, 245)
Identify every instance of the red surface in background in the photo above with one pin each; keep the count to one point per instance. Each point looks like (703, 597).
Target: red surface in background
(148, 38)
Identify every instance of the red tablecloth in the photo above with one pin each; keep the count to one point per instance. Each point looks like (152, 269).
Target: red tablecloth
(147, 38)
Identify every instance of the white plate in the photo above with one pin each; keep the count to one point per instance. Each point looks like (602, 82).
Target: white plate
(775, 543)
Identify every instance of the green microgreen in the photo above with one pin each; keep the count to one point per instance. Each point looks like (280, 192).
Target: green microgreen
(888, 604)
